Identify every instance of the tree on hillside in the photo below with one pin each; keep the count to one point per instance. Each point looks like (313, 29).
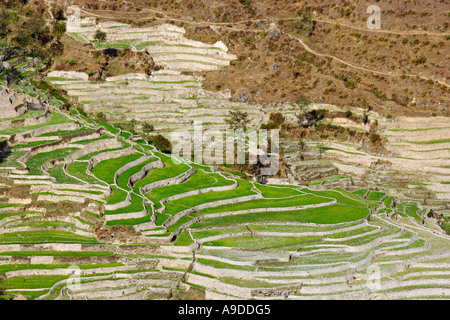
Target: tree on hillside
(111, 52)
(59, 28)
(100, 36)
(365, 118)
(321, 147)
(146, 127)
(302, 101)
(309, 118)
(161, 143)
(37, 29)
(238, 120)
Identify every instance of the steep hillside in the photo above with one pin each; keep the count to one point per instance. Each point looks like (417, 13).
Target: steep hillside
(141, 225)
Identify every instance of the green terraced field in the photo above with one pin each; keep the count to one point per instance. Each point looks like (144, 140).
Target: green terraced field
(35, 162)
(216, 232)
(106, 169)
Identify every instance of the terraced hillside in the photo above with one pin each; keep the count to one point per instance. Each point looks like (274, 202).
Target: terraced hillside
(82, 196)
(170, 98)
(167, 99)
(412, 161)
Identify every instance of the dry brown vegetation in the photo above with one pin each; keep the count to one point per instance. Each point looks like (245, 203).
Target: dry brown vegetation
(397, 70)
(84, 58)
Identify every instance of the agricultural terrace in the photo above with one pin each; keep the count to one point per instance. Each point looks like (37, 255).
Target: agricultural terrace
(141, 225)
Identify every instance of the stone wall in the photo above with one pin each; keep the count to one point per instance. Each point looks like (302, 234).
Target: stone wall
(110, 155)
(130, 165)
(86, 194)
(42, 149)
(20, 138)
(176, 180)
(131, 215)
(25, 122)
(80, 136)
(197, 192)
(229, 213)
(144, 171)
(93, 147)
(44, 188)
(69, 75)
(28, 228)
(170, 221)
(122, 204)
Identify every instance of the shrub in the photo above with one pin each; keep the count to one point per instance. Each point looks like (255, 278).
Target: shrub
(238, 120)
(303, 101)
(269, 126)
(348, 113)
(100, 116)
(419, 60)
(81, 111)
(309, 118)
(4, 23)
(349, 84)
(276, 118)
(365, 118)
(374, 137)
(60, 28)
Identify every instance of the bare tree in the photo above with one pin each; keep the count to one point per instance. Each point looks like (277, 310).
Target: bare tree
(321, 147)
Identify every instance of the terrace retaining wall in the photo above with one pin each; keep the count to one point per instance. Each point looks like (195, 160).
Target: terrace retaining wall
(130, 165)
(171, 220)
(158, 164)
(109, 155)
(197, 192)
(25, 122)
(176, 180)
(229, 213)
(93, 147)
(131, 215)
(122, 204)
(24, 136)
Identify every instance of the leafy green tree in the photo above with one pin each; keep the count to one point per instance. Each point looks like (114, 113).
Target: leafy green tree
(57, 12)
(365, 118)
(146, 127)
(100, 116)
(37, 29)
(100, 36)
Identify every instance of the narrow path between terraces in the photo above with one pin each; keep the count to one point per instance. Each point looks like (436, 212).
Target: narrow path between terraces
(307, 48)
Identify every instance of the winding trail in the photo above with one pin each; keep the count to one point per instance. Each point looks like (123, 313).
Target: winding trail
(305, 46)
(391, 74)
